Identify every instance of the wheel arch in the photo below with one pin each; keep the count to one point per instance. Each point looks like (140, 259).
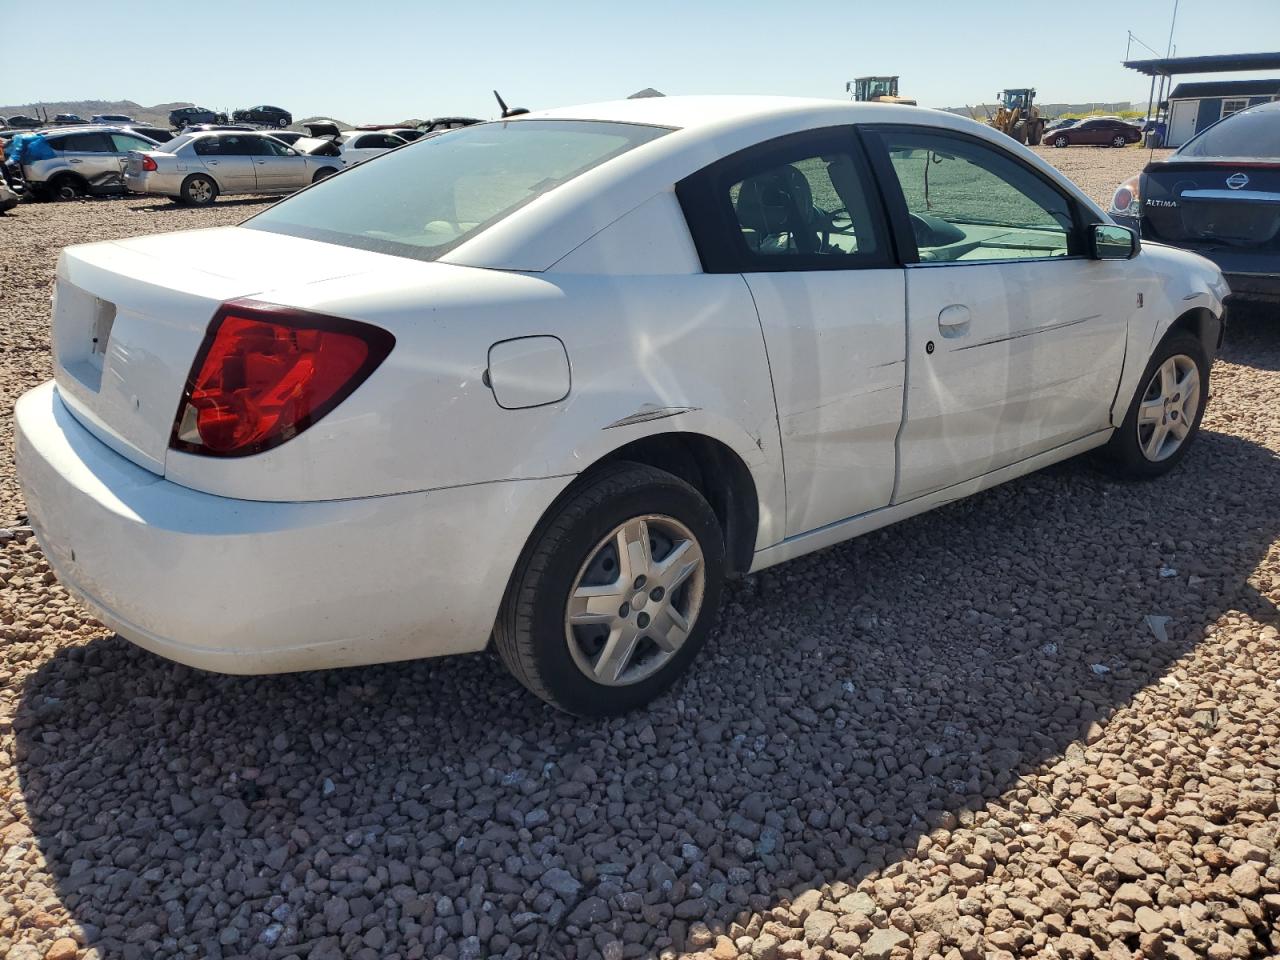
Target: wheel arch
(53, 181)
(1202, 322)
(707, 464)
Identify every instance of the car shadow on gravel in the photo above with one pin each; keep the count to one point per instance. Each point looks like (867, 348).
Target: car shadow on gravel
(848, 703)
(162, 206)
(1253, 335)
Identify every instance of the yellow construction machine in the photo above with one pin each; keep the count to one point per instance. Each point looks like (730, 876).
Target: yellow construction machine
(877, 90)
(1018, 116)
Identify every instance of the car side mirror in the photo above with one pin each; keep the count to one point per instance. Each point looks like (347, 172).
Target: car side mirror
(290, 152)
(1109, 241)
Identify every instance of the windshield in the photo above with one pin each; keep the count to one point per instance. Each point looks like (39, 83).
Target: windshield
(427, 198)
(1251, 133)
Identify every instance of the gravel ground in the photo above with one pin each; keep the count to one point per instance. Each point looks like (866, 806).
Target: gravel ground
(1041, 722)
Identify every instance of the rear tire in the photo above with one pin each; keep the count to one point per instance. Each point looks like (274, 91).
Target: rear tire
(1119, 141)
(282, 123)
(199, 190)
(67, 186)
(595, 630)
(1164, 416)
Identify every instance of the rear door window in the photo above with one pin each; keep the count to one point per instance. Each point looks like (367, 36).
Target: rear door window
(86, 143)
(124, 143)
(802, 202)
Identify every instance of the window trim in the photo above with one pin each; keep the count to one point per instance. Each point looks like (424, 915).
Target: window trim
(1223, 113)
(717, 234)
(899, 213)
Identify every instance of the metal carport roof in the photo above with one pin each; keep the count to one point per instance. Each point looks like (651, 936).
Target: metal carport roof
(1217, 63)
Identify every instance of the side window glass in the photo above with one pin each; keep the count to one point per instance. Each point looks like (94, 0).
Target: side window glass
(809, 205)
(86, 143)
(237, 146)
(208, 147)
(801, 202)
(261, 147)
(972, 202)
(124, 143)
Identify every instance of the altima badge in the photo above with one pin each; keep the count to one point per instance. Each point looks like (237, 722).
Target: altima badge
(1237, 180)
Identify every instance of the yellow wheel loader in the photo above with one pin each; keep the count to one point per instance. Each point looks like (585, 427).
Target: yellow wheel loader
(877, 90)
(1018, 116)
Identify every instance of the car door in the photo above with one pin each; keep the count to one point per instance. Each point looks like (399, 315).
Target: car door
(278, 168)
(1015, 338)
(228, 158)
(800, 219)
(92, 156)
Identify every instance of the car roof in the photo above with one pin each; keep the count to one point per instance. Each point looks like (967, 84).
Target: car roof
(705, 128)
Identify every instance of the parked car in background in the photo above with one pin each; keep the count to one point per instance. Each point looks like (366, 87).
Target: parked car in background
(447, 123)
(408, 134)
(197, 168)
(525, 381)
(69, 118)
(352, 146)
(158, 134)
(23, 122)
(266, 116)
(1217, 195)
(112, 118)
(75, 162)
(1060, 124)
(1097, 132)
(206, 127)
(183, 117)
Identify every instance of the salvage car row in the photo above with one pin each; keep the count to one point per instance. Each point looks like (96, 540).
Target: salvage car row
(195, 167)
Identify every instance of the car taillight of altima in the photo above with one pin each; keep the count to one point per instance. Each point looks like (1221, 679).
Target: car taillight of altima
(265, 373)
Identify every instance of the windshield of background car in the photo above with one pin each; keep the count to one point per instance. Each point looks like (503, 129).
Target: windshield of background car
(425, 199)
(1253, 133)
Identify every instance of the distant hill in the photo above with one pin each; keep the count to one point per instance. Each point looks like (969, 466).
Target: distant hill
(159, 114)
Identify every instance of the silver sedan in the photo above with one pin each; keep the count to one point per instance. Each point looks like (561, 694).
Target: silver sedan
(196, 168)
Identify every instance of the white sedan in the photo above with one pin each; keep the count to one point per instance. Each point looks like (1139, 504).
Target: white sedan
(544, 397)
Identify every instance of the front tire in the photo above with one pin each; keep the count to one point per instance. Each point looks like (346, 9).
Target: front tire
(1061, 141)
(1164, 416)
(615, 592)
(323, 174)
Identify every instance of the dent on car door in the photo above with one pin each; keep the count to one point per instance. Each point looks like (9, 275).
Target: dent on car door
(1015, 339)
(799, 219)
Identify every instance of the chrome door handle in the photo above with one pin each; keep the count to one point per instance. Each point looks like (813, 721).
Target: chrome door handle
(212, 163)
(74, 160)
(261, 161)
(953, 321)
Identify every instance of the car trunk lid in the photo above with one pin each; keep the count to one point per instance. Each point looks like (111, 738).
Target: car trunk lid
(130, 316)
(1213, 202)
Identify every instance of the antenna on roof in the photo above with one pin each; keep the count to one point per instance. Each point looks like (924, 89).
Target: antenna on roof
(508, 111)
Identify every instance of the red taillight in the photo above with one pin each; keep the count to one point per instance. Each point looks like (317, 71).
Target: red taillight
(148, 163)
(266, 373)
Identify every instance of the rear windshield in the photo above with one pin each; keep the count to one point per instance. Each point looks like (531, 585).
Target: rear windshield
(427, 198)
(1251, 133)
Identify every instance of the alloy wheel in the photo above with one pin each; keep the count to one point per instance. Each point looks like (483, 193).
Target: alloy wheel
(201, 191)
(1169, 407)
(635, 600)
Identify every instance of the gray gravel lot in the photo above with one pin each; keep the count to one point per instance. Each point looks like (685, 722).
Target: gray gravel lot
(1041, 722)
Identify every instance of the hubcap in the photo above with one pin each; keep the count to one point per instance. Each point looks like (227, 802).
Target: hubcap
(200, 190)
(1168, 408)
(635, 600)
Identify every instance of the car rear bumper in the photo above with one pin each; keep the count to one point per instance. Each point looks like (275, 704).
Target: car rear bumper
(1251, 274)
(152, 182)
(253, 587)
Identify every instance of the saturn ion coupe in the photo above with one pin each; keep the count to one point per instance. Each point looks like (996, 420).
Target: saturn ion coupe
(544, 383)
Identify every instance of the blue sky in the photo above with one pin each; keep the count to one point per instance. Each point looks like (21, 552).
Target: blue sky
(385, 60)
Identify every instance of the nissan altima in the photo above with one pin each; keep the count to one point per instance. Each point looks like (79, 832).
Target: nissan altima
(544, 383)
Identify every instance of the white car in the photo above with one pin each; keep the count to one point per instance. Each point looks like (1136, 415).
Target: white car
(596, 361)
(352, 146)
